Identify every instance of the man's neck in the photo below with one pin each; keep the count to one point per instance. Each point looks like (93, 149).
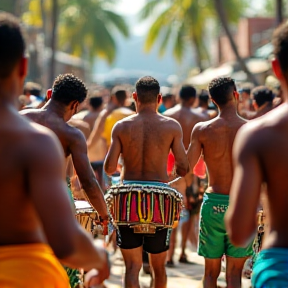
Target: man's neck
(227, 109)
(56, 108)
(185, 104)
(146, 108)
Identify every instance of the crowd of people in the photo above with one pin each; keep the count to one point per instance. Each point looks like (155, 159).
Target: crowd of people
(223, 149)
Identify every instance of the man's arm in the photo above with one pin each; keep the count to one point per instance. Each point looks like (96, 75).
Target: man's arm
(98, 128)
(245, 189)
(48, 193)
(195, 147)
(178, 149)
(86, 174)
(111, 160)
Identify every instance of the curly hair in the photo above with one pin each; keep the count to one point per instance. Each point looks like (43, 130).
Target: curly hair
(280, 42)
(147, 89)
(67, 88)
(221, 89)
(262, 95)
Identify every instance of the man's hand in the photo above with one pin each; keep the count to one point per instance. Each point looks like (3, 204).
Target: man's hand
(96, 277)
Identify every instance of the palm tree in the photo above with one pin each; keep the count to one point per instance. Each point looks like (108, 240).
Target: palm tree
(87, 29)
(223, 19)
(279, 11)
(184, 22)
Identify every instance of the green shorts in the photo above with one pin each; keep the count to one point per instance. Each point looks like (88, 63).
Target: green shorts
(213, 238)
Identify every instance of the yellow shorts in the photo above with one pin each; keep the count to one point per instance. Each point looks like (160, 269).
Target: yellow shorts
(31, 266)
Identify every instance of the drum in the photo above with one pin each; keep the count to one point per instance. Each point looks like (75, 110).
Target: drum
(144, 207)
(88, 217)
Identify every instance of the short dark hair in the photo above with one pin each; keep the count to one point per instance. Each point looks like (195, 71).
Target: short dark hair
(120, 94)
(280, 42)
(147, 89)
(187, 92)
(221, 89)
(12, 47)
(67, 88)
(204, 96)
(261, 95)
(96, 101)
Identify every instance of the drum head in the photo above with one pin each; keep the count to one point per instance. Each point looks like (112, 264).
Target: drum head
(82, 205)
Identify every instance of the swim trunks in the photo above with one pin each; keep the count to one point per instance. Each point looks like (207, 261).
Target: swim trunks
(213, 238)
(271, 269)
(31, 266)
(152, 243)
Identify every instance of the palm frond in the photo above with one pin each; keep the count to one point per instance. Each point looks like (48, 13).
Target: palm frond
(149, 8)
(117, 21)
(163, 20)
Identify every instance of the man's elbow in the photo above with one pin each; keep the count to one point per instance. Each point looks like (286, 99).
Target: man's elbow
(109, 169)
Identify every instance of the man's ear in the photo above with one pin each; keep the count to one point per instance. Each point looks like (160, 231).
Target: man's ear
(159, 98)
(236, 95)
(276, 68)
(74, 105)
(23, 67)
(135, 97)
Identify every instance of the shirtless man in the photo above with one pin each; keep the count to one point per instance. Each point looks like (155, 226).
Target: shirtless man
(145, 140)
(95, 107)
(187, 117)
(214, 139)
(203, 106)
(68, 92)
(262, 100)
(35, 213)
(260, 155)
(118, 97)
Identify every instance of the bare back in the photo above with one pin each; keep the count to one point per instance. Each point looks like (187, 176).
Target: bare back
(145, 141)
(260, 155)
(64, 132)
(21, 143)
(187, 117)
(216, 138)
(275, 174)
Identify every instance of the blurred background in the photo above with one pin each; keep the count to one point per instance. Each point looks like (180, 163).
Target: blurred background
(117, 41)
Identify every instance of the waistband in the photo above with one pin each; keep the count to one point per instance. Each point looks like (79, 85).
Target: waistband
(276, 253)
(216, 196)
(155, 183)
(26, 249)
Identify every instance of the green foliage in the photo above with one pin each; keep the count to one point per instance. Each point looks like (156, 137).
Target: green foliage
(184, 22)
(85, 27)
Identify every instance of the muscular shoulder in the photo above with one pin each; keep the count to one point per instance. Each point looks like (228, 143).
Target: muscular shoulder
(171, 124)
(41, 142)
(124, 123)
(172, 112)
(74, 134)
(30, 113)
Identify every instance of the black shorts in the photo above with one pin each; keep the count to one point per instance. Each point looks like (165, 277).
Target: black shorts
(152, 243)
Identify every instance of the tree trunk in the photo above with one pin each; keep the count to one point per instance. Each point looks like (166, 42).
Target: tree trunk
(198, 53)
(53, 40)
(279, 12)
(223, 19)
